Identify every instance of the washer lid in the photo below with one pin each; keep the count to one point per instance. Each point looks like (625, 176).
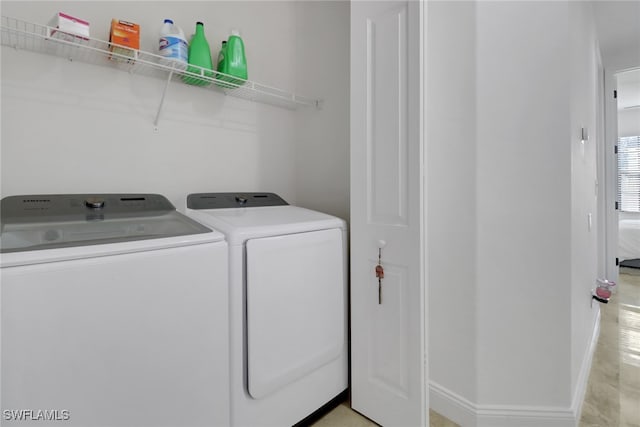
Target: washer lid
(57, 221)
(240, 224)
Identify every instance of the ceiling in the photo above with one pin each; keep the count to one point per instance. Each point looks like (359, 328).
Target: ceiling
(618, 28)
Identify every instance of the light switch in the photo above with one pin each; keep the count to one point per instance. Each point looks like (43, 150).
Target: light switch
(584, 135)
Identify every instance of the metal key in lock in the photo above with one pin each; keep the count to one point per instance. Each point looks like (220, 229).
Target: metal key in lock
(380, 276)
(379, 269)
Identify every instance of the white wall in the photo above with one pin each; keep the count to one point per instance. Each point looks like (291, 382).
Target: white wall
(509, 88)
(523, 193)
(629, 122)
(584, 71)
(73, 127)
(322, 137)
(451, 129)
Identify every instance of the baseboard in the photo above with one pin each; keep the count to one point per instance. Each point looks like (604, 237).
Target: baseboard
(468, 414)
(452, 405)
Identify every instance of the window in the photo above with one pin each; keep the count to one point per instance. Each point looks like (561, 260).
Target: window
(629, 173)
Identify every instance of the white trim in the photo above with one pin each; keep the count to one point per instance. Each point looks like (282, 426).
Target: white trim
(585, 369)
(610, 174)
(468, 414)
(625, 70)
(424, 278)
(601, 159)
(451, 405)
(527, 417)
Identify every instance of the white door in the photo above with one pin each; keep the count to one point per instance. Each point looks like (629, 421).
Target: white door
(388, 345)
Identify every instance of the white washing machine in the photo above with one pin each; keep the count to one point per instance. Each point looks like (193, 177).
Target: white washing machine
(288, 305)
(114, 313)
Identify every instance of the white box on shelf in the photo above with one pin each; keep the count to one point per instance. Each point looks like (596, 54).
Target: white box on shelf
(69, 28)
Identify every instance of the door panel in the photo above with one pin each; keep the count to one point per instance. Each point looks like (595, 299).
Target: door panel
(389, 350)
(295, 307)
(387, 116)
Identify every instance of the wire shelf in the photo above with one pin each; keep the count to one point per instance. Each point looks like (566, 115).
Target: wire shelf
(32, 37)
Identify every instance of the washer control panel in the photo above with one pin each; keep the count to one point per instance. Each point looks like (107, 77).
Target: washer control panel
(65, 220)
(42, 208)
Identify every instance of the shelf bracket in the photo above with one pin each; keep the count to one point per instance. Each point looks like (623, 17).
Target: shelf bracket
(164, 92)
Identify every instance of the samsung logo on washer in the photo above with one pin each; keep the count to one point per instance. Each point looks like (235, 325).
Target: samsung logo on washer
(36, 415)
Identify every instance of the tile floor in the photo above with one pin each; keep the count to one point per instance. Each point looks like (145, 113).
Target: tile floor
(613, 392)
(343, 416)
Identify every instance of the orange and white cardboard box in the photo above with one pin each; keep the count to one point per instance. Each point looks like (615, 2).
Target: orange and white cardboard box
(126, 35)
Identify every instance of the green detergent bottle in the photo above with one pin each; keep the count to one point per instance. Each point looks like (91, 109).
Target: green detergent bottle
(223, 52)
(199, 56)
(232, 61)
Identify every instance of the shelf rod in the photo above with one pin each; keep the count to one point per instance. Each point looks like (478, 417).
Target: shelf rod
(164, 92)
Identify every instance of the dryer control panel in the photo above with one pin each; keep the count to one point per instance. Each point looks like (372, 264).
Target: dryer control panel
(233, 200)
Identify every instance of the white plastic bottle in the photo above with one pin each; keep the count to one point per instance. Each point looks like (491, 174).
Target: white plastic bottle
(173, 46)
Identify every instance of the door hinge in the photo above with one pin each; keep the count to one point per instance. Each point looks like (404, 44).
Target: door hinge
(617, 261)
(615, 94)
(617, 206)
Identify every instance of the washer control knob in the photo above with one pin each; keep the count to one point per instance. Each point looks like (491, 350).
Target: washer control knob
(94, 203)
(241, 200)
(51, 235)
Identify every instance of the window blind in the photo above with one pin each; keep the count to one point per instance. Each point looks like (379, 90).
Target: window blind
(629, 173)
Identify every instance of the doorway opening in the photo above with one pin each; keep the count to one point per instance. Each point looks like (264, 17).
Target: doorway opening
(628, 173)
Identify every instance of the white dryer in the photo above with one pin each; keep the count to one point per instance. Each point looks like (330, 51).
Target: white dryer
(114, 313)
(288, 305)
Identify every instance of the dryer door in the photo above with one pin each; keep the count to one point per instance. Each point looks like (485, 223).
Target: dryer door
(295, 307)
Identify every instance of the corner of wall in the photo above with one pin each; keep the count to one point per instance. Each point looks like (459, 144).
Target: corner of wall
(585, 368)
